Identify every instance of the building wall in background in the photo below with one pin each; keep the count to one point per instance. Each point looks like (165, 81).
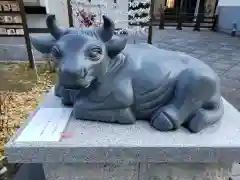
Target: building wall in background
(42, 3)
(59, 8)
(229, 3)
(229, 13)
(31, 2)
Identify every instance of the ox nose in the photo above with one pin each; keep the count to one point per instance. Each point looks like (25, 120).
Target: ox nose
(73, 74)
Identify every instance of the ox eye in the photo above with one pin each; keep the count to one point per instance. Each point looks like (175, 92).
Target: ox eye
(56, 52)
(94, 53)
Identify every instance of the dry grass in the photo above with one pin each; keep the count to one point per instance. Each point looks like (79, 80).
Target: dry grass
(20, 92)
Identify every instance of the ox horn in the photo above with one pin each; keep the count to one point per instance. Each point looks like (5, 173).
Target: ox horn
(107, 30)
(55, 31)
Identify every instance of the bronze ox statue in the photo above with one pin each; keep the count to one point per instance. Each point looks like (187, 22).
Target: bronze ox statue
(106, 79)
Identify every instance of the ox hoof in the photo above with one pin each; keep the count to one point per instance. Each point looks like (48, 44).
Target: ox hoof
(161, 122)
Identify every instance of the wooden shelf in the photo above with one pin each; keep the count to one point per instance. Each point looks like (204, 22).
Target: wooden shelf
(9, 12)
(21, 12)
(9, 0)
(11, 35)
(11, 27)
(10, 24)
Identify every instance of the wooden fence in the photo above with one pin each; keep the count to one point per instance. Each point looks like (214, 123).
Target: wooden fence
(162, 20)
(181, 19)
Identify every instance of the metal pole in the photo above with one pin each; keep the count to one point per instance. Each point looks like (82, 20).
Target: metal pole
(150, 22)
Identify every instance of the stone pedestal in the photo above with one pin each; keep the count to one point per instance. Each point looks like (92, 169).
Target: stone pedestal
(137, 171)
(101, 151)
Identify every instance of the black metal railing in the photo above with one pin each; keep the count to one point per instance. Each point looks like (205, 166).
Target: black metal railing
(184, 20)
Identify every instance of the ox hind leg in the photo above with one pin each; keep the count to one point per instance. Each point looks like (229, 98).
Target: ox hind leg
(193, 90)
(209, 113)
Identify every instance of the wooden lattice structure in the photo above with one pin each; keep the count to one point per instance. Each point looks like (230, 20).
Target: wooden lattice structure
(13, 23)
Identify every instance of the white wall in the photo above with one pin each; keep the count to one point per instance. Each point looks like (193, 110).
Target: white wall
(229, 3)
(31, 2)
(59, 8)
(42, 3)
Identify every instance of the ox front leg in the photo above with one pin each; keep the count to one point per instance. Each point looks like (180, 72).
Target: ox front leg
(65, 95)
(58, 89)
(193, 88)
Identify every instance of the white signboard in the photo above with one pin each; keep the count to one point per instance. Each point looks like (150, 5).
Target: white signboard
(46, 125)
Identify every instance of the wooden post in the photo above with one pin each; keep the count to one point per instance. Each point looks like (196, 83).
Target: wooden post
(150, 22)
(215, 22)
(215, 16)
(215, 7)
(196, 9)
(26, 34)
(180, 17)
(161, 10)
(200, 15)
(70, 13)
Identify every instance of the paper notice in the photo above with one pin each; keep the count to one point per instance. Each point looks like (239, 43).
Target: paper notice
(46, 125)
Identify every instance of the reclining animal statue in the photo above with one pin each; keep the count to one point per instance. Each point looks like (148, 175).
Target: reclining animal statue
(106, 79)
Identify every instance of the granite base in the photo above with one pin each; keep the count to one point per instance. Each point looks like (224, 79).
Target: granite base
(103, 151)
(138, 171)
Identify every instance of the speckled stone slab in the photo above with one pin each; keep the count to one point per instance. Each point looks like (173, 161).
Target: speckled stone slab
(137, 171)
(184, 171)
(95, 142)
(91, 171)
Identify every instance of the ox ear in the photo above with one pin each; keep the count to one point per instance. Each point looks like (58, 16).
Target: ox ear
(43, 43)
(115, 46)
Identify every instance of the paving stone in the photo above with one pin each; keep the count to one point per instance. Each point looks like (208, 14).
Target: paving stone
(200, 52)
(233, 98)
(230, 83)
(233, 74)
(221, 66)
(228, 92)
(235, 68)
(227, 61)
(194, 55)
(236, 58)
(208, 59)
(235, 178)
(216, 55)
(162, 45)
(236, 170)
